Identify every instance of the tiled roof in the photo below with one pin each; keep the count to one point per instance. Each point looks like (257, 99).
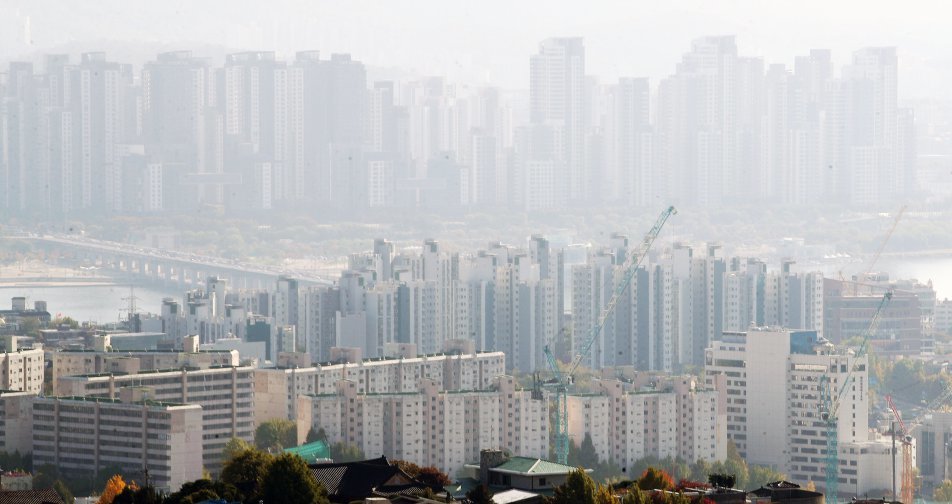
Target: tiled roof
(367, 478)
(48, 496)
(526, 465)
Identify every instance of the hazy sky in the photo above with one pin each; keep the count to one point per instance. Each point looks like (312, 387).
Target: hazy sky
(490, 40)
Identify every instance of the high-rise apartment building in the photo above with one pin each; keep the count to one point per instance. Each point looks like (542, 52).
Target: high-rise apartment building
(773, 401)
(556, 115)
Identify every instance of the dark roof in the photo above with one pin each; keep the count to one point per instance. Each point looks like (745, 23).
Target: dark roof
(48, 496)
(349, 481)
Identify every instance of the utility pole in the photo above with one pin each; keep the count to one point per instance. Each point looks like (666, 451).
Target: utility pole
(893, 460)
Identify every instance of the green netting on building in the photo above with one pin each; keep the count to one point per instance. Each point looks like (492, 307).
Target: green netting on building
(311, 452)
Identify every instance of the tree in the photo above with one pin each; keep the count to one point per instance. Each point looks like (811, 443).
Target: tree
(604, 495)
(203, 489)
(433, 477)
(288, 480)
(655, 479)
(113, 487)
(342, 452)
(479, 495)
(245, 470)
(635, 496)
(235, 446)
(761, 475)
(63, 491)
(722, 480)
(943, 492)
(578, 488)
(276, 434)
(315, 435)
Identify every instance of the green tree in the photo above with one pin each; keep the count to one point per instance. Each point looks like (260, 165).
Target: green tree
(245, 470)
(315, 435)
(288, 480)
(655, 479)
(635, 496)
(276, 434)
(203, 489)
(578, 488)
(234, 447)
(63, 491)
(343, 452)
(761, 475)
(479, 495)
(943, 492)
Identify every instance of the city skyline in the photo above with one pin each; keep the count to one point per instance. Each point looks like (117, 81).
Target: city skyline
(658, 34)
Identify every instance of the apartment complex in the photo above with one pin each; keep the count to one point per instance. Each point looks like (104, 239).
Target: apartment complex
(225, 394)
(430, 426)
(773, 402)
(21, 368)
(277, 388)
(83, 434)
(81, 362)
(16, 421)
(675, 417)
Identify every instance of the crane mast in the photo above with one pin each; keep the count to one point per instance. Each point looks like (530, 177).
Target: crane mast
(831, 398)
(564, 379)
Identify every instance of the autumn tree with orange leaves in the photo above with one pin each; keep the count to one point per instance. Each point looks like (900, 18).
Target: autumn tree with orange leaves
(113, 487)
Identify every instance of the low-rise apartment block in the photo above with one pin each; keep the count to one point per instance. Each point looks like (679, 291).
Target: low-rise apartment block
(80, 435)
(225, 394)
(276, 388)
(16, 421)
(430, 426)
(80, 362)
(675, 417)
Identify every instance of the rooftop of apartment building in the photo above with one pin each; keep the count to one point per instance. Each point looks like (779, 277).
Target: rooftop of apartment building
(106, 400)
(155, 371)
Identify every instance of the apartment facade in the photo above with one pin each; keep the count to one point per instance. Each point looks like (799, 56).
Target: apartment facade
(430, 426)
(277, 388)
(226, 395)
(21, 369)
(773, 381)
(79, 435)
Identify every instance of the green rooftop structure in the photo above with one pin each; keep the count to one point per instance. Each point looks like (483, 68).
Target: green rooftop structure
(311, 452)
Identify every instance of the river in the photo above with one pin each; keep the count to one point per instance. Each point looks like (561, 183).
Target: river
(100, 303)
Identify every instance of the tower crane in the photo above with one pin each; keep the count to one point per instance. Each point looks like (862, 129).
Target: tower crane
(907, 487)
(562, 380)
(831, 397)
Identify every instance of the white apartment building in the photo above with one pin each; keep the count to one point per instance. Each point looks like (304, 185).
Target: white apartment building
(446, 429)
(21, 368)
(226, 395)
(82, 435)
(773, 400)
(277, 388)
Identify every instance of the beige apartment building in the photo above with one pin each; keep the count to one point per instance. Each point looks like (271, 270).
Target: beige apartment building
(276, 388)
(80, 362)
(16, 421)
(21, 368)
(81, 435)
(430, 426)
(676, 417)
